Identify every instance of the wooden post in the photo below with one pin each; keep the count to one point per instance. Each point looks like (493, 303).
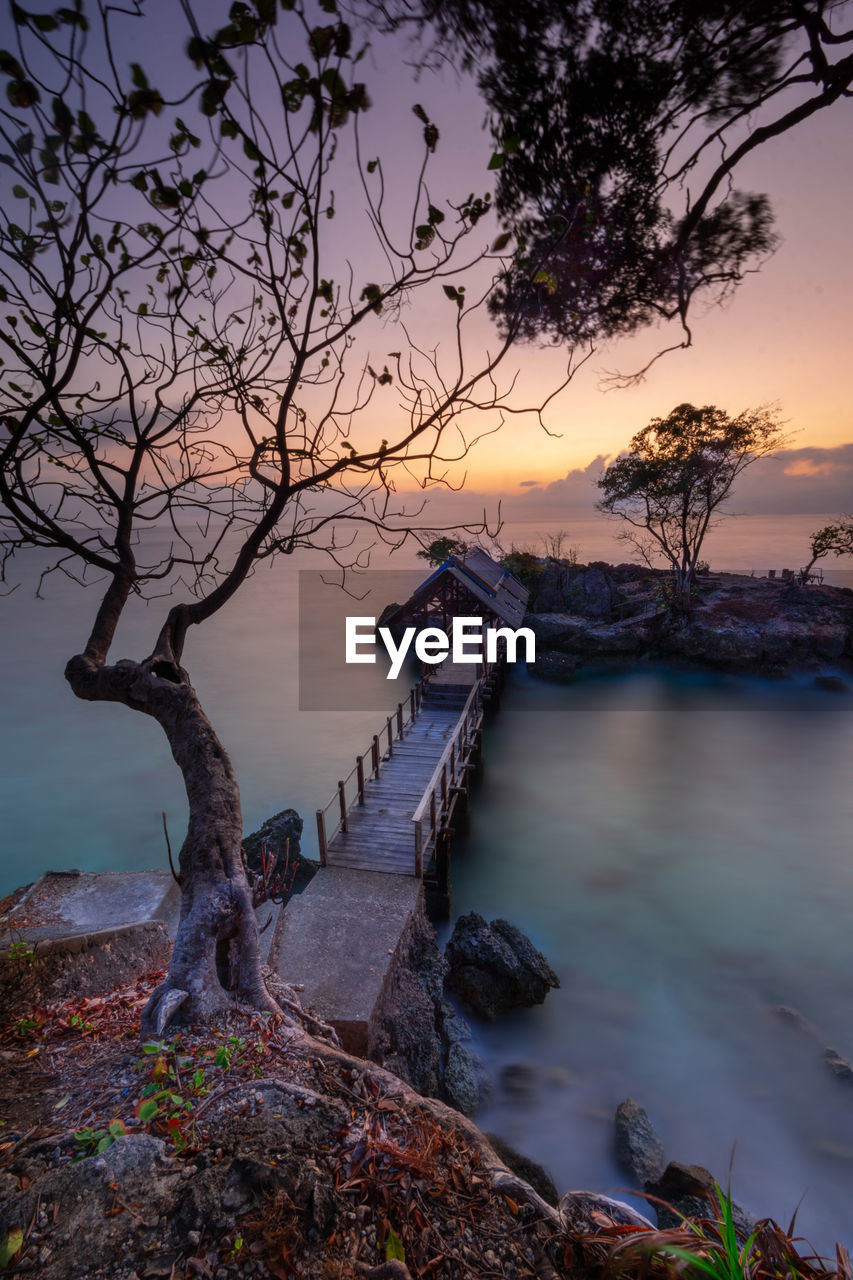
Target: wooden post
(419, 850)
(432, 813)
(453, 762)
(399, 719)
(390, 738)
(359, 765)
(343, 803)
(442, 861)
(321, 836)
(443, 785)
(374, 748)
(412, 702)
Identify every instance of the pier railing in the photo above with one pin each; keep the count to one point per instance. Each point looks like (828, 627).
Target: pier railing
(449, 778)
(350, 790)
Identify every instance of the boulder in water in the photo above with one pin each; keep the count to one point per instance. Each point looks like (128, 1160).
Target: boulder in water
(638, 1149)
(494, 967)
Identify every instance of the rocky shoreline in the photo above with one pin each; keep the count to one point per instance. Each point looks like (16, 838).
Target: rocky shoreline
(603, 615)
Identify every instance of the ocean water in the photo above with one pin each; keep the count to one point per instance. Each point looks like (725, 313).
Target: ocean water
(679, 847)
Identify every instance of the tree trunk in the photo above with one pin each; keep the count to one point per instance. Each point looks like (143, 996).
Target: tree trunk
(216, 957)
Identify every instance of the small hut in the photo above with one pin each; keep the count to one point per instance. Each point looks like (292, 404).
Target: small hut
(469, 585)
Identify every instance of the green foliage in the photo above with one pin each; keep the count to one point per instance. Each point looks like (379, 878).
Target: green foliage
(91, 1142)
(523, 565)
(10, 1245)
(441, 549)
(22, 951)
(394, 1250)
(725, 1258)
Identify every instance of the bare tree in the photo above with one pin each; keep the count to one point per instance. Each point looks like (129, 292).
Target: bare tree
(833, 540)
(185, 375)
(675, 477)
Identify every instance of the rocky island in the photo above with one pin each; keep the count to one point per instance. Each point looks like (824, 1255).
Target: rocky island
(601, 614)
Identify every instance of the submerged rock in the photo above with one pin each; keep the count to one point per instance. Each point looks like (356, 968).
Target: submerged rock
(689, 1191)
(840, 1067)
(638, 1149)
(538, 1177)
(494, 967)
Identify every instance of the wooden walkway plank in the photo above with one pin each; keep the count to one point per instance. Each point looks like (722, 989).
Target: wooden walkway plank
(379, 835)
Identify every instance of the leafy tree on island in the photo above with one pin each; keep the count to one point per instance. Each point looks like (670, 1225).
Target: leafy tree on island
(833, 540)
(181, 375)
(441, 549)
(676, 476)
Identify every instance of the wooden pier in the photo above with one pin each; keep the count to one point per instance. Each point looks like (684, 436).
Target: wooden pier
(395, 809)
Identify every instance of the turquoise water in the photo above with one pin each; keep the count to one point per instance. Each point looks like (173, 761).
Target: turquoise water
(679, 847)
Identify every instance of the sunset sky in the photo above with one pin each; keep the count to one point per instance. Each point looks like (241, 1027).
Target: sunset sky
(783, 338)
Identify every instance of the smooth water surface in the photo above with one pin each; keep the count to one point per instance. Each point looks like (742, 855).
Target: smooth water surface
(680, 848)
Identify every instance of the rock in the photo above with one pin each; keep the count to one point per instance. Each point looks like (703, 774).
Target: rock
(462, 1078)
(494, 967)
(280, 836)
(638, 1149)
(689, 1191)
(415, 1031)
(840, 1067)
(538, 1177)
(793, 1018)
(520, 1079)
(832, 684)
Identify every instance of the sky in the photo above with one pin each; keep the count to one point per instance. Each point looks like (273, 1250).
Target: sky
(783, 339)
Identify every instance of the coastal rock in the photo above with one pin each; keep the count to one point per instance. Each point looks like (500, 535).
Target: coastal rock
(791, 1017)
(415, 1031)
(689, 1191)
(587, 591)
(280, 837)
(494, 967)
(521, 1080)
(538, 1177)
(736, 624)
(638, 1149)
(832, 684)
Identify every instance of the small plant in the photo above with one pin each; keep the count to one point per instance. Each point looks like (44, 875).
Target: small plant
(22, 952)
(235, 1049)
(724, 1258)
(10, 1245)
(91, 1142)
(25, 1026)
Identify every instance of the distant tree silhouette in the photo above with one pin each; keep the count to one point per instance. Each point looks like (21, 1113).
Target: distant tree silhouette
(833, 540)
(676, 475)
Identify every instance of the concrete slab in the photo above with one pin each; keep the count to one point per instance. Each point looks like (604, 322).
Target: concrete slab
(72, 904)
(337, 938)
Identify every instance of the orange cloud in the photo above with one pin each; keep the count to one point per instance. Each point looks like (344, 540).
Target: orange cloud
(808, 467)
